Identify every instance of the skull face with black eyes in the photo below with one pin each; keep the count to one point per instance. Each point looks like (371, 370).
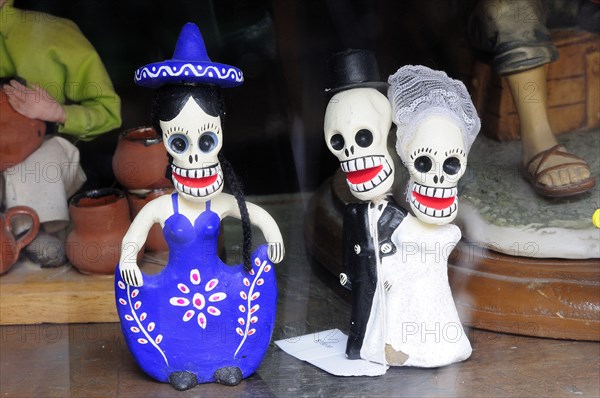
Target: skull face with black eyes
(436, 161)
(194, 139)
(357, 124)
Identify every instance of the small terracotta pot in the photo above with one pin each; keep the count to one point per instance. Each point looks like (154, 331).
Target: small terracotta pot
(156, 240)
(20, 135)
(100, 220)
(140, 160)
(9, 245)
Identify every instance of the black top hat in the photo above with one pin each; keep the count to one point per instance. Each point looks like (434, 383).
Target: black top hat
(354, 69)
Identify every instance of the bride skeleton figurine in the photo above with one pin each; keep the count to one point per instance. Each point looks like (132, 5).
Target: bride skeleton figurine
(436, 125)
(199, 320)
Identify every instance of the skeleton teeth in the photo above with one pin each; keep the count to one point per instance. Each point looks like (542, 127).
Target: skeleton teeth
(383, 174)
(198, 173)
(365, 162)
(433, 212)
(345, 166)
(352, 165)
(435, 192)
(420, 207)
(387, 169)
(178, 185)
(360, 164)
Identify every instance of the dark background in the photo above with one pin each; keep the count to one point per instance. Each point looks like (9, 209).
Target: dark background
(273, 131)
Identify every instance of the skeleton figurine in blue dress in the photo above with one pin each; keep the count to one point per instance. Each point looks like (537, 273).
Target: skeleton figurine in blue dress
(199, 320)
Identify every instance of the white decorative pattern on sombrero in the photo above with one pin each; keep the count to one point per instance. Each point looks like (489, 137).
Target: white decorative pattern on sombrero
(150, 71)
(190, 64)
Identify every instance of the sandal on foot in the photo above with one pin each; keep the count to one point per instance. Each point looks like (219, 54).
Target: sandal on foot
(533, 173)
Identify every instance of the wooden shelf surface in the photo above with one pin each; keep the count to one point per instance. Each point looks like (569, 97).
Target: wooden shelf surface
(30, 294)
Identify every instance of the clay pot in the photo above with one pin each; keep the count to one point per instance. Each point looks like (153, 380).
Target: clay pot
(100, 220)
(140, 160)
(155, 241)
(9, 246)
(20, 135)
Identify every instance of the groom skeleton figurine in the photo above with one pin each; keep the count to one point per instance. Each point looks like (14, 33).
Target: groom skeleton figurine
(357, 123)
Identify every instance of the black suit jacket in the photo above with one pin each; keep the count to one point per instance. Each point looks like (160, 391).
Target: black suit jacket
(359, 262)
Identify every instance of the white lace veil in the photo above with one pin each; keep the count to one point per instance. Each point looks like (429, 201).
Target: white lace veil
(417, 92)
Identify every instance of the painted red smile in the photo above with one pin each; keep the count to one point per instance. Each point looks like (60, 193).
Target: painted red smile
(196, 182)
(362, 176)
(434, 203)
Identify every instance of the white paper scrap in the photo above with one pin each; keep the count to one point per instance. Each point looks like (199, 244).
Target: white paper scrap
(327, 351)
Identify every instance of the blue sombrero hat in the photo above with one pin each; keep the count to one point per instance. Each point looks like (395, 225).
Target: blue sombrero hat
(190, 65)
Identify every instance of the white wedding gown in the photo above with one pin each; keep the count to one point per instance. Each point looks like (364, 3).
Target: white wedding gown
(417, 313)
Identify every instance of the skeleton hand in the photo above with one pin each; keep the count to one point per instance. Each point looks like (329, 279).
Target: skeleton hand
(276, 252)
(34, 103)
(387, 285)
(131, 274)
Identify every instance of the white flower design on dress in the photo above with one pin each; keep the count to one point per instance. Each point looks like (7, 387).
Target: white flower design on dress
(248, 297)
(139, 320)
(198, 300)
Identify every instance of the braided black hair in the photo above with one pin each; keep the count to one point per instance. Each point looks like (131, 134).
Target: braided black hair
(169, 100)
(236, 187)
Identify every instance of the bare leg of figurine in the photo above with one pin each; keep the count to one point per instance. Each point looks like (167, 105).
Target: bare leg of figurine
(552, 170)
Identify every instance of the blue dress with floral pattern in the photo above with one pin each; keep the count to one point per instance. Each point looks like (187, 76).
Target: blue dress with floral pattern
(198, 314)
